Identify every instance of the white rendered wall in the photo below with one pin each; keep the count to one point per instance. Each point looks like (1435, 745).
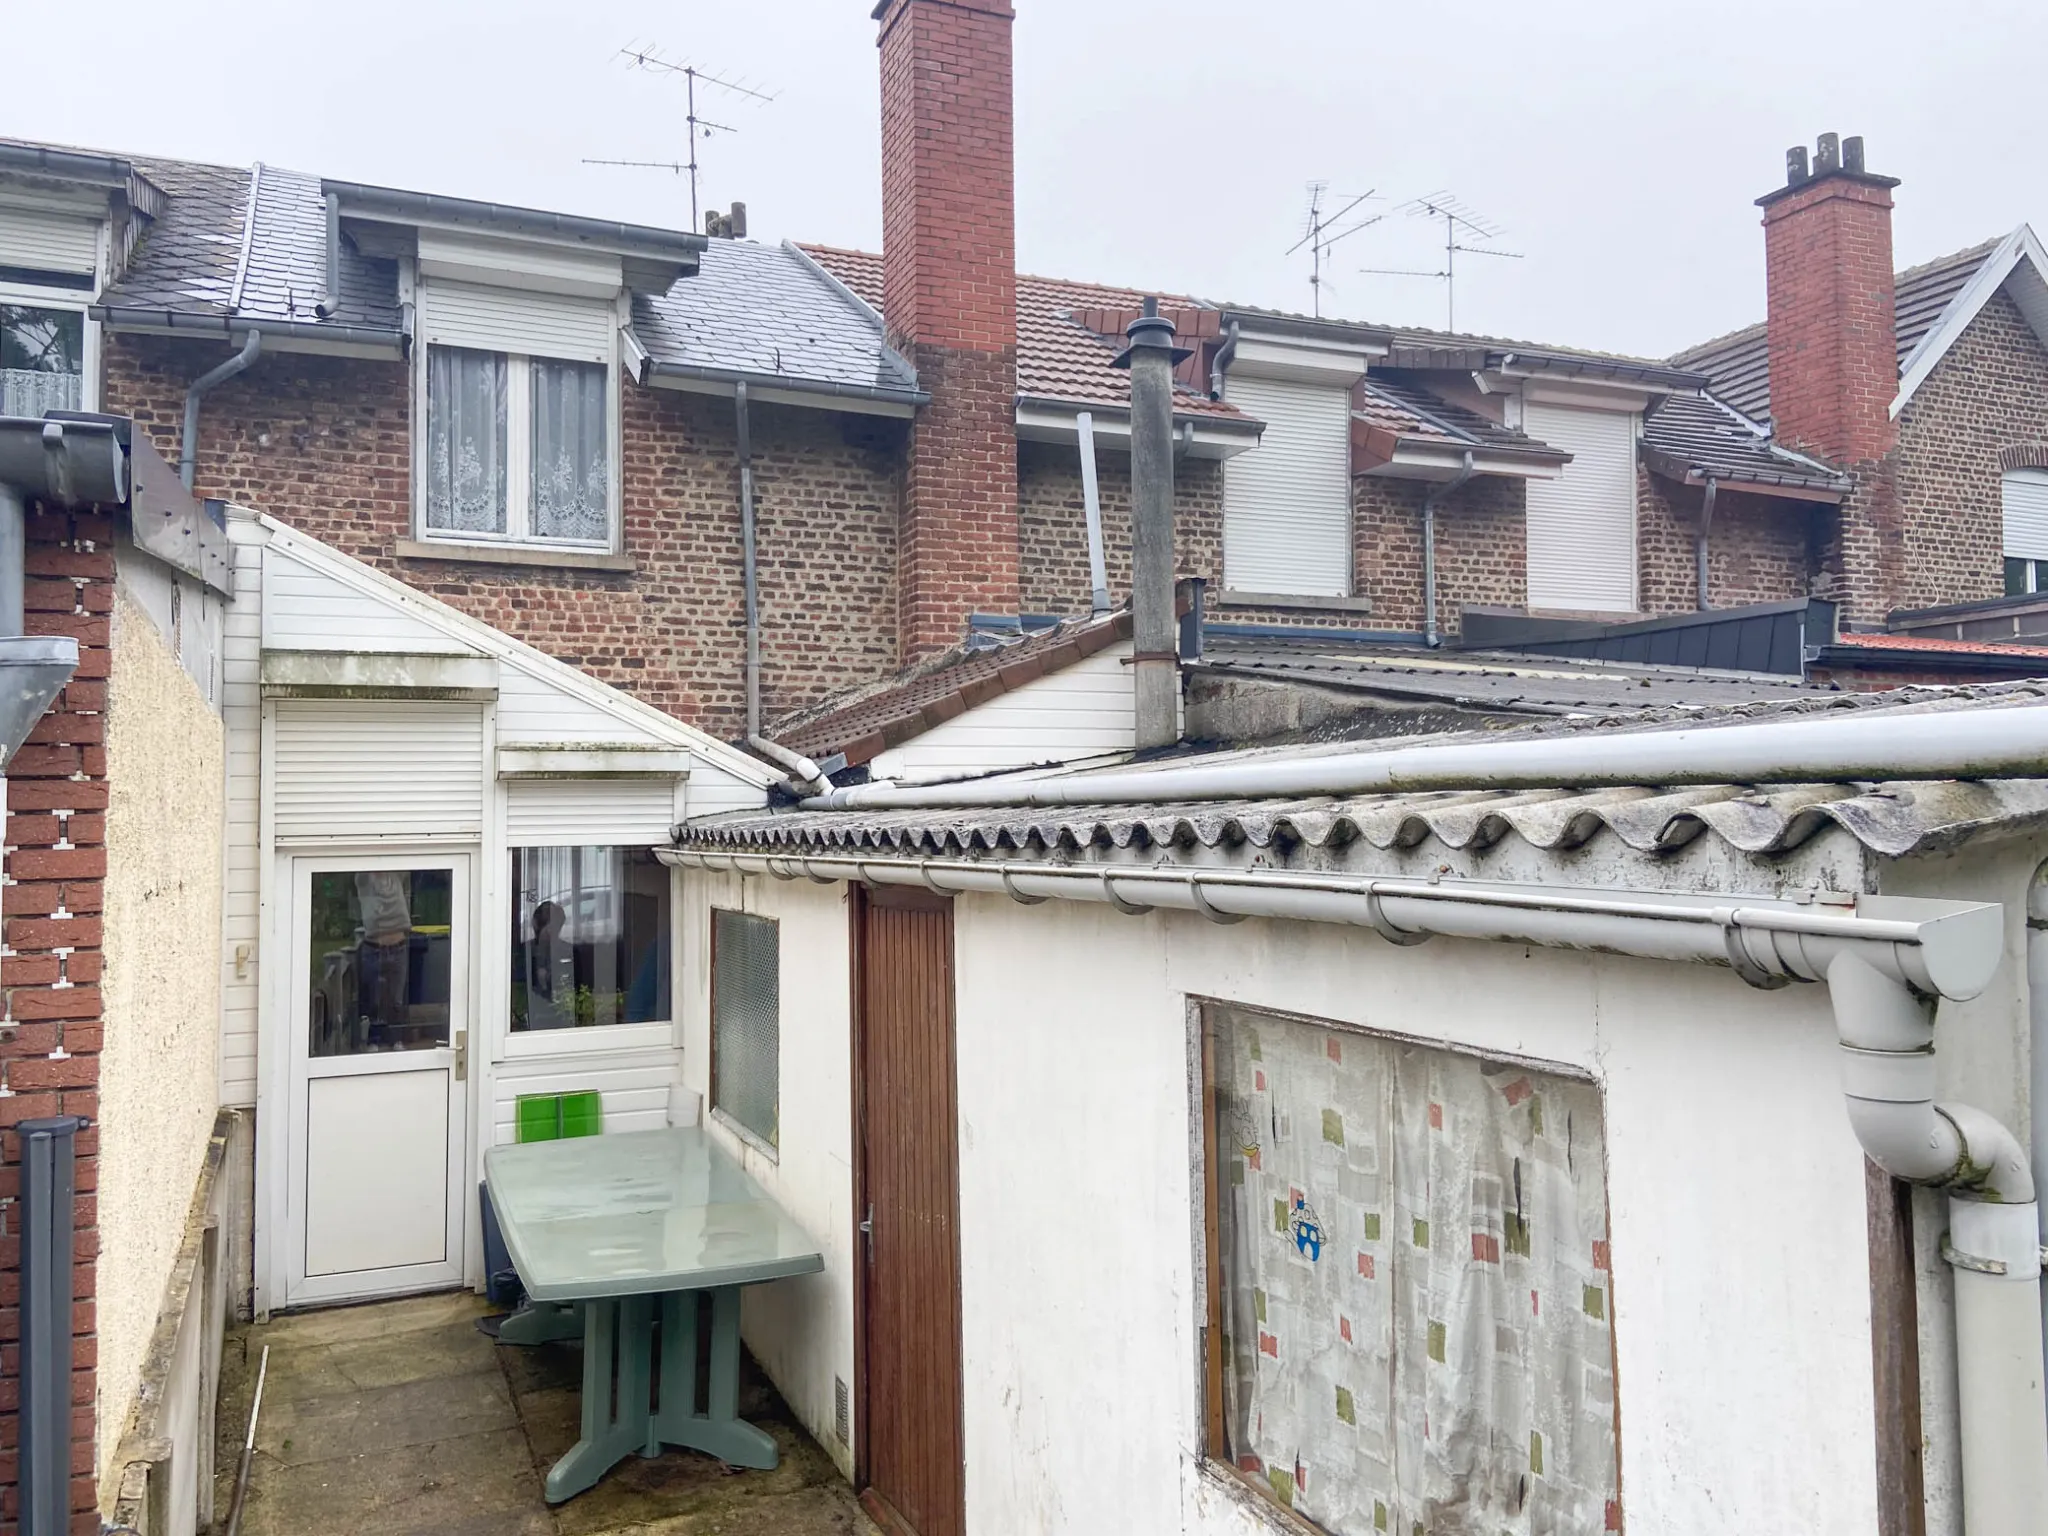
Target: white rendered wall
(801, 1330)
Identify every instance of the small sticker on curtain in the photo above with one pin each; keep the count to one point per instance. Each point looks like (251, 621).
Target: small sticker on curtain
(1308, 1232)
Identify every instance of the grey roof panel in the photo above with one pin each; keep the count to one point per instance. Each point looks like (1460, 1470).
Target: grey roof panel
(1701, 434)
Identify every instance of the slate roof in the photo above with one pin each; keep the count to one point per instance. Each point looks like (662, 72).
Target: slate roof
(1769, 822)
(1400, 403)
(864, 722)
(1739, 366)
(1685, 433)
(1058, 359)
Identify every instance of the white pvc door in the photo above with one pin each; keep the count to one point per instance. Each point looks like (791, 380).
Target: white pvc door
(379, 1020)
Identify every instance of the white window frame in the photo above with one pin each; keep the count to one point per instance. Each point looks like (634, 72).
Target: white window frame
(518, 532)
(77, 300)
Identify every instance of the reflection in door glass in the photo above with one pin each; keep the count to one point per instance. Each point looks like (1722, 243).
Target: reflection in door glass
(381, 942)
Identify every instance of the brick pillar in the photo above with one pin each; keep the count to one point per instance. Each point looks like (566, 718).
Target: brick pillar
(1833, 354)
(949, 286)
(50, 1026)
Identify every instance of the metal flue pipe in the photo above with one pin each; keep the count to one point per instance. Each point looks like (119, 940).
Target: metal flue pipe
(1155, 648)
(2004, 742)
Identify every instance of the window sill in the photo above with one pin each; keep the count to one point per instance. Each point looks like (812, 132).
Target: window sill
(1229, 599)
(1252, 1498)
(746, 1137)
(521, 1044)
(513, 554)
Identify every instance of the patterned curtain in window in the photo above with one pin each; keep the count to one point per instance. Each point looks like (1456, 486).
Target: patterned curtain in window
(571, 481)
(465, 440)
(1415, 1302)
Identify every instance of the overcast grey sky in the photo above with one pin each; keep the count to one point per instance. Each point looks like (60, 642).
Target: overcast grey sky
(1161, 143)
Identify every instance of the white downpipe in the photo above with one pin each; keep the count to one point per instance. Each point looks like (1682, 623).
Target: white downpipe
(1885, 964)
(1967, 744)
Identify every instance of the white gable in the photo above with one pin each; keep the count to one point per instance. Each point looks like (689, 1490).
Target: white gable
(306, 609)
(2019, 266)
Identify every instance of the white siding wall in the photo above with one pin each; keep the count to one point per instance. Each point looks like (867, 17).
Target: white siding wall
(309, 610)
(1287, 503)
(635, 1085)
(1075, 1138)
(1084, 710)
(242, 709)
(531, 710)
(1582, 525)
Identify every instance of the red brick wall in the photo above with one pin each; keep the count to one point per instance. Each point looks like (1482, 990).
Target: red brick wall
(949, 290)
(1759, 551)
(1481, 549)
(1053, 525)
(1989, 392)
(57, 792)
(321, 443)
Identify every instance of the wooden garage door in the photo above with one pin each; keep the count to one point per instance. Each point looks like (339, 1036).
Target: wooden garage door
(910, 1296)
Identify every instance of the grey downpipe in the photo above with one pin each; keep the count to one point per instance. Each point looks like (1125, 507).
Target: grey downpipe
(2037, 1020)
(1155, 636)
(1430, 498)
(48, 1273)
(806, 775)
(13, 557)
(1699, 543)
(330, 299)
(1091, 506)
(2003, 742)
(746, 452)
(1220, 363)
(188, 448)
(1993, 1245)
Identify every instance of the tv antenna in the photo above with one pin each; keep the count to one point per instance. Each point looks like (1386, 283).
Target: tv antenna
(649, 58)
(1461, 223)
(1323, 232)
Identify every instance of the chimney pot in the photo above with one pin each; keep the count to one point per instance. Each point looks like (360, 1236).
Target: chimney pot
(1852, 154)
(1827, 154)
(1795, 165)
(737, 223)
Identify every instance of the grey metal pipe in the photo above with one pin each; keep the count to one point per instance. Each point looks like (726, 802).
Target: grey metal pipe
(13, 555)
(2003, 742)
(1430, 498)
(188, 448)
(1699, 543)
(746, 453)
(2037, 1019)
(1091, 508)
(330, 297)
(48, 1217)
(1155, 650)
(1220, 363)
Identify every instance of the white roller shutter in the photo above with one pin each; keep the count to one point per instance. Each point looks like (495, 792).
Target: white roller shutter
(576, 813)
(44, 241)
(1287, 503)
(378, 769)
(1582, 525)
(517, 321)
(2026, 514)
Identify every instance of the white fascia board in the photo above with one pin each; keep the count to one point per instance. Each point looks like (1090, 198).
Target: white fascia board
(310, 673)
(534, 266)
(481, 637)
(792, 393)
(618, 760)
(1421, 462)
(1593, 394)
(1305, 359)
(1040, 421)
(2020, 248)
(633, 353)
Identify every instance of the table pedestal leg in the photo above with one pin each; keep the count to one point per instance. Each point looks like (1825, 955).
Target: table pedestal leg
(542, 1322)
(621, 1327)
(718, 1430)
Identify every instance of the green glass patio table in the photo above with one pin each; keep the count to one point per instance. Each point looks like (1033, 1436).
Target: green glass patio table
(630, 1227)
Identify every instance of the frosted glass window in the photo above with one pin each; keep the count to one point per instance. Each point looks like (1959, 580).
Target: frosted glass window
(746, 1021)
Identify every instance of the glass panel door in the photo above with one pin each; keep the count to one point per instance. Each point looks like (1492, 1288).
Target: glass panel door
(382, 944)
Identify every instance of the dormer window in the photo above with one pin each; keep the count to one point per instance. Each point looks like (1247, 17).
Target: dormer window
(49, 272)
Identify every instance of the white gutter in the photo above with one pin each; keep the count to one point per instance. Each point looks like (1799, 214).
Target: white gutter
(1886, 963)
(1965, 744)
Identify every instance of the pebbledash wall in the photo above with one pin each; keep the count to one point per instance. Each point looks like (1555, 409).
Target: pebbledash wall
(1990, 391)
(323, 443)
(52, 1030)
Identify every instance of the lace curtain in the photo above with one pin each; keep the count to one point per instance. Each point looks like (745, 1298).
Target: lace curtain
(466, 432)
(31, 392)
(42, 360)
(571, 482)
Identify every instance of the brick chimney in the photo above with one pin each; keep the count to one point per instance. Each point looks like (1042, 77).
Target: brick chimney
(949, 295)
(1828, 266)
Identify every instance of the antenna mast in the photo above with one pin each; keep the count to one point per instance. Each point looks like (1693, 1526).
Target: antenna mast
(649, 58)
(1322, 233)
(1458, 220)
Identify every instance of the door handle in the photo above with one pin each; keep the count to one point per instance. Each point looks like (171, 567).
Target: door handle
(461, 1055)
(867, 1230)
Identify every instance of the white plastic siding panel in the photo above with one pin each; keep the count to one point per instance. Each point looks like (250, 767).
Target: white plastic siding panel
(1287, 503)
(242, 714)
(378, 769)
(309, 610)
(2026, 514)
(634, 1086)
(1085, 710)
(532, 710)
(1582, 525)
(517, 321)
(48, 242)
(587, 813)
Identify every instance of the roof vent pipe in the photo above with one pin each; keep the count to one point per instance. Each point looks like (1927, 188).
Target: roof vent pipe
(1994, 1241)
(188, 447)
(1155, 649)
(1430, 498)
(330, 298)
(1091, 506)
